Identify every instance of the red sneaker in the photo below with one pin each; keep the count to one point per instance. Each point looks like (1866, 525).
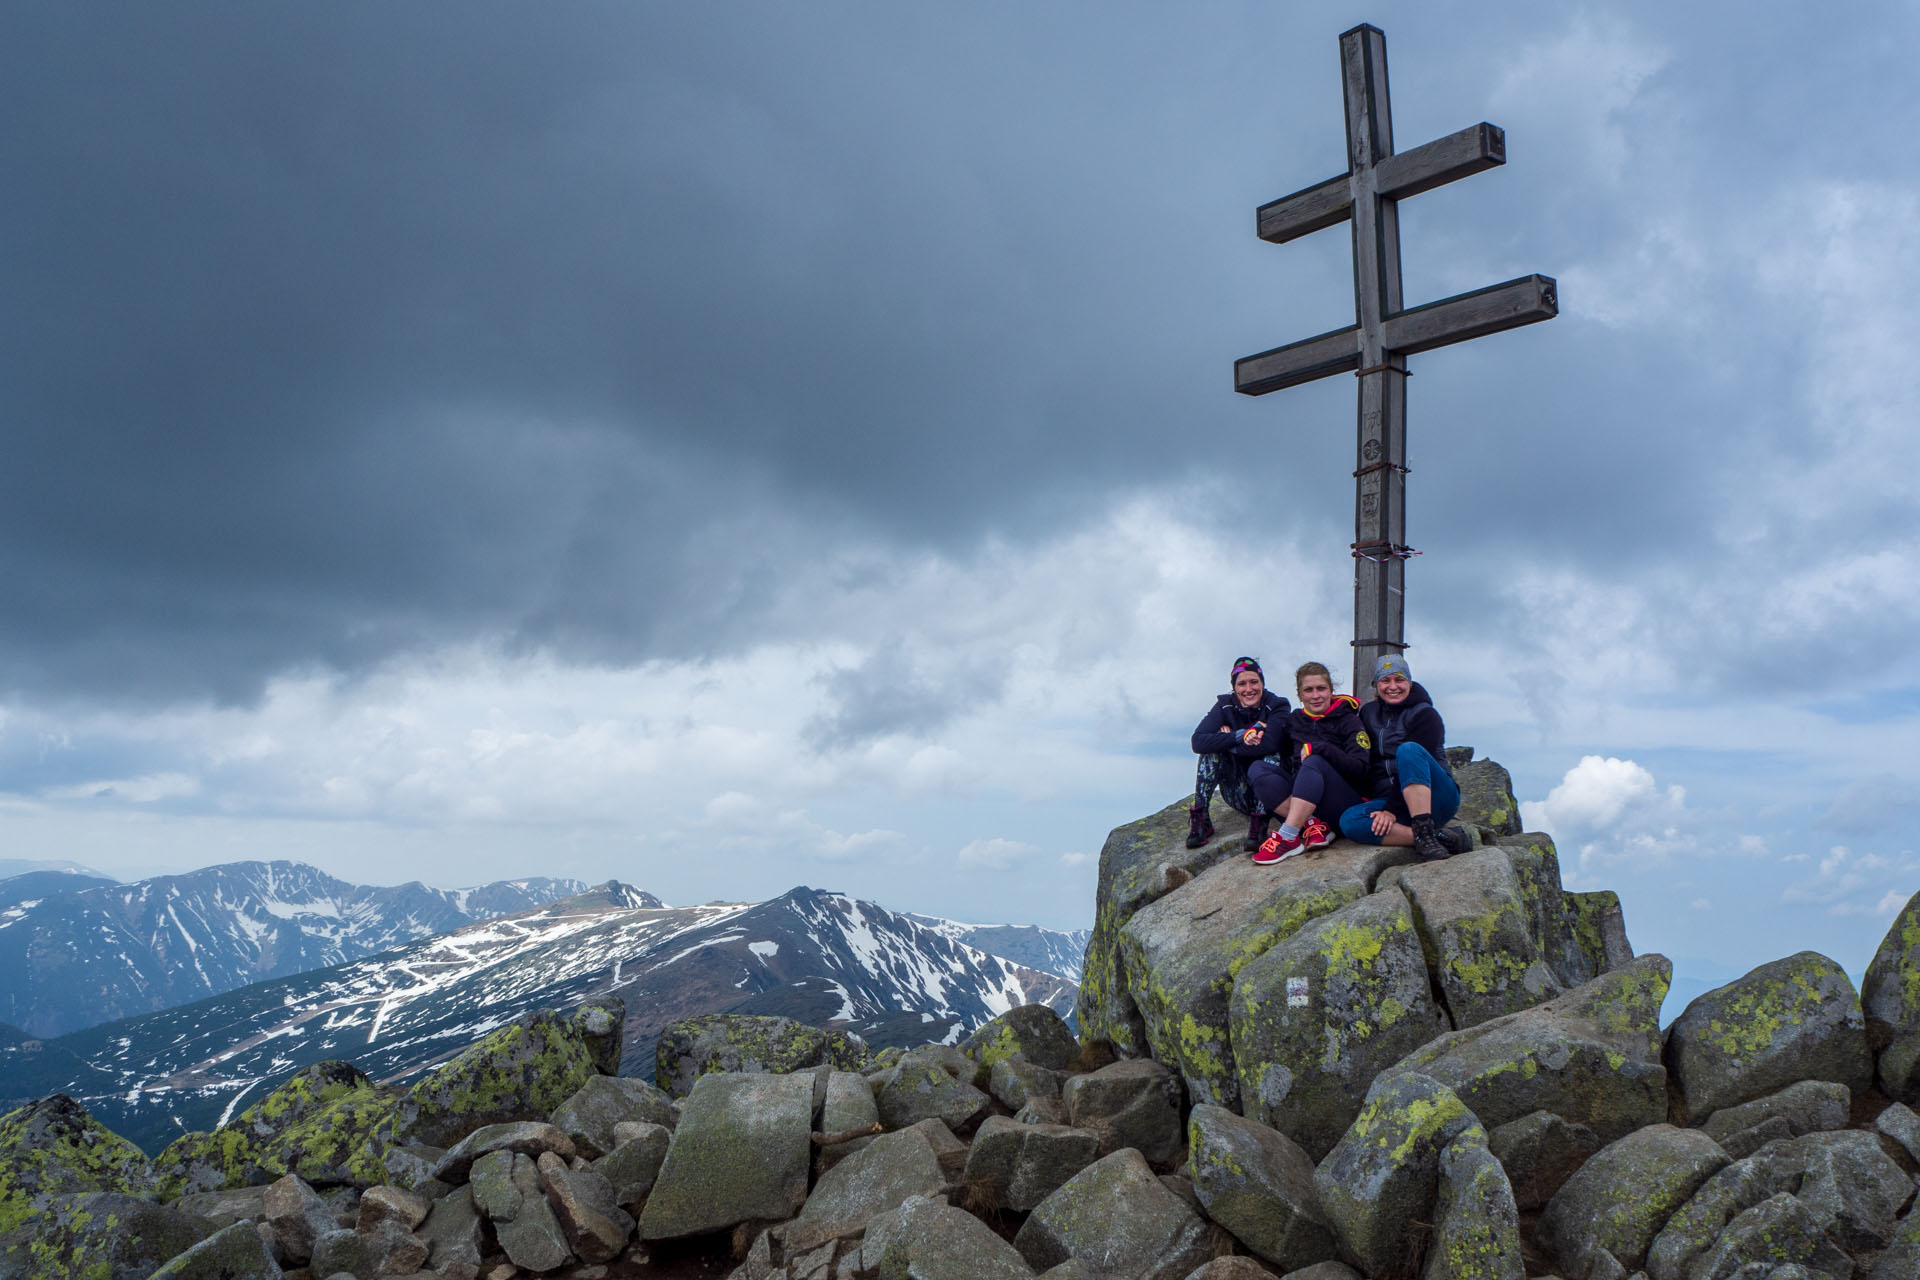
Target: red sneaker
(1317, 834)
(1276, 848)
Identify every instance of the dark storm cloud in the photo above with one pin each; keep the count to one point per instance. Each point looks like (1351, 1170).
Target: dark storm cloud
(338, 330)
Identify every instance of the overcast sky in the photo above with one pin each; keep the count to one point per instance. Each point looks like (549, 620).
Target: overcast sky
(731, 447)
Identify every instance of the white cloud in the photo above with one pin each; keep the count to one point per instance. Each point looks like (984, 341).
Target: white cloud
(1079, 859)
(145, 789)
(994, 854)
(1597, 794)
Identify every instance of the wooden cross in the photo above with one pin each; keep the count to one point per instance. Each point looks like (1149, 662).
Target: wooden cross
(1377, 346)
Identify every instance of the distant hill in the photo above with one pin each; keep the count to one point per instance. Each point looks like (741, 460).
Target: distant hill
(819, 957)
(75, 959)
(31, 886)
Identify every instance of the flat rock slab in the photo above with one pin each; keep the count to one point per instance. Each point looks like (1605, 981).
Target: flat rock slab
(1258, 1183)
(887, 1173)
(1120, 1220)
(1591, 1056)
(1792, 1020)
(530, 1138)
(1811, 1106)
(1321, 1014)
(1622, 1197)
(1182, 952)
(741, 1151)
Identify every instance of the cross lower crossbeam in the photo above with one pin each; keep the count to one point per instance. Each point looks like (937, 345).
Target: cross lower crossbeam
(1385, 331)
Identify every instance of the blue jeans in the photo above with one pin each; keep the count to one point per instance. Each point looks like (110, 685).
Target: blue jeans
(1414, 768)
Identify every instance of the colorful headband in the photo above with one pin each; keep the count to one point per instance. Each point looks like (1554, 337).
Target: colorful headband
(1247, 664)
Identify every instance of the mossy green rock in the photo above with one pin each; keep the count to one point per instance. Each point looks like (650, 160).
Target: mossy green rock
(1579, 935)
(741, 1151)
(1624, 1195)
(1140, 862)
(1891, 994)
(694, 1047)
(1792, 1020)
(1182, 952)
(1777, 1232)
(98, 1235)
(235, 1252)
(249, 1150)
(923, 1089)
(1033, 1032)
(1384, 1174)
(1591, 1056)
(342, 1144)
(52, 1147)
(1486, 793)
(1258, 1183)
(1476, 1224)
(1320, 1015)
(1479, 936)
(1119, 1219)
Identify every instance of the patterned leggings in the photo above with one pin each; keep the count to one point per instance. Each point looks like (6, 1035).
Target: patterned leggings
(1226, 773)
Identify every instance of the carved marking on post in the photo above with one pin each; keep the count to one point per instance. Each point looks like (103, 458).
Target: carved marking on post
(1385, 331)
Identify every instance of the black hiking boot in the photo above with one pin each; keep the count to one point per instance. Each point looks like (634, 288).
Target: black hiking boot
(1456, 837)
(1199, 828)
(1427, 844)
(1256, 831)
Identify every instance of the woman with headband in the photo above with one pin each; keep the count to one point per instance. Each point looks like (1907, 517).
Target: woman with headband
(1242, 727)
(1326, 769)
(1413, 791)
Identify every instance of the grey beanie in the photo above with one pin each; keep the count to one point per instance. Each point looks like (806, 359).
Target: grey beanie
(1391, 664)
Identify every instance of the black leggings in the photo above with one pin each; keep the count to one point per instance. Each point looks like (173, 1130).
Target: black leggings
(1226, 773)
(1318, 783)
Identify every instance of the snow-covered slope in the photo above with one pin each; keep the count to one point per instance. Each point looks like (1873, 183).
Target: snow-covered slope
(71, 960)
(819, 957)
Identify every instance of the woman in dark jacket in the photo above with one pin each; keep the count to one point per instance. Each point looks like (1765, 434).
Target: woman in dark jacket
(1327, 750)
(1413, 791)
(1240, 728)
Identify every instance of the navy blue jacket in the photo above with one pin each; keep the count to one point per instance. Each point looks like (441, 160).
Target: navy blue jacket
(1335, 737)
(1415, 720)
(1208, 738)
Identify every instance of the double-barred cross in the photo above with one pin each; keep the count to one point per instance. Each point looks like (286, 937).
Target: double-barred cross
(1376, 347)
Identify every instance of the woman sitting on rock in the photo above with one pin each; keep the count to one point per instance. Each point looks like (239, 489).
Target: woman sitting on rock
(1328, 766)
(1242, 727)
(1414, 791)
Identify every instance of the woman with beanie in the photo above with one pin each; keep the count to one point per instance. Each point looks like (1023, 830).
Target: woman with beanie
(1240, 728)
(1328, 759)
(1414, 791)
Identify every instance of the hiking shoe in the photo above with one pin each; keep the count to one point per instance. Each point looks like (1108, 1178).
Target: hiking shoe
(1256, 831)
(1427, 845)
(1277, 848)
(1318, 834)
(1199, 828)
(1456, 838)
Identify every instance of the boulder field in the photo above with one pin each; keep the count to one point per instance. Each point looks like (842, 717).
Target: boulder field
(1348, 1066)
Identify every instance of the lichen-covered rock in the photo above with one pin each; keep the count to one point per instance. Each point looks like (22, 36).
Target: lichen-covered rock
(1476, 1224)
(453, 1232)
(344, 1142)
(632, 1167)
(1779, 1231)
(1811, 1106)
(926, 1240)
(1539, 1152)
(1624, 1195)
(741, 1151)
(530, 1138)
(1119, 1219)
(251, 1148)
(1139, 863)
(876, 1180)
(1023, 1164)
(596, 1228)
(1479, 936)
(1792, 1020)
(1182, 952)
(97, 1235)
(297, 1215)
(52, 1147)
(1486, 793)
(1014, 1082)
(1891, 994)
(1133, 1103)
(520, 1072)
(1579, 935)
(1320, 1015)
(1032, 1032)
(1257, 1183)
(741, 1043)
(922, 1088)
(495, 1193)
(588, 1117)
(235, 1252)
(224, 1208)
(1384, 1173)
(1591, 1056)
(1901, 1261)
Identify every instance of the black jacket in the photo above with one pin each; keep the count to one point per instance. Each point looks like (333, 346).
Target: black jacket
(1209, 738)
(1335, 737)
(1415, 720)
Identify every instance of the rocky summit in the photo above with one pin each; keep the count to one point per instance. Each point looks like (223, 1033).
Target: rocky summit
(1348, 1066)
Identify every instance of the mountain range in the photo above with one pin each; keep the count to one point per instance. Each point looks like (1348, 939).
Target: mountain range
(84, 952)
(820, 957)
